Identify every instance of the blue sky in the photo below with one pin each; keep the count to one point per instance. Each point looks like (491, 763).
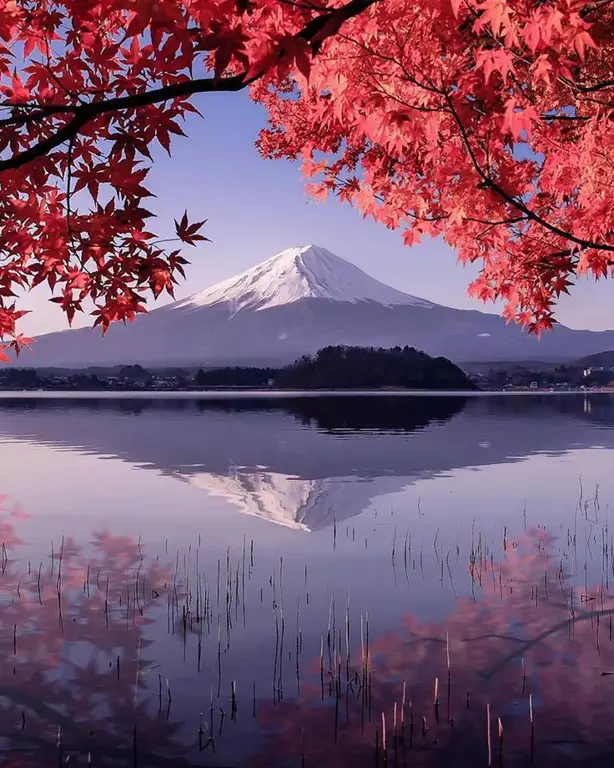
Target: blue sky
(257, 207)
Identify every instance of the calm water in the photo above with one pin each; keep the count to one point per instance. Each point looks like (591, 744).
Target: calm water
(321, 581)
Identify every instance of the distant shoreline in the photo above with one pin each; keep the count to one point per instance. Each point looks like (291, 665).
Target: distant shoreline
(229, 393)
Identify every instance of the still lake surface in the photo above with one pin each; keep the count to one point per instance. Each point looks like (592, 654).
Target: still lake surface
(306, 581)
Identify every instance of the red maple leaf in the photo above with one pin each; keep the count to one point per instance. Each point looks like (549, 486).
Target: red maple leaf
(188, 233)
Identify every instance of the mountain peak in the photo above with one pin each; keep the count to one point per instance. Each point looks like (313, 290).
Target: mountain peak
(301, 272)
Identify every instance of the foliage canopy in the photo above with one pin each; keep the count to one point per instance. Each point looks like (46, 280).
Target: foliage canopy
(485, 122)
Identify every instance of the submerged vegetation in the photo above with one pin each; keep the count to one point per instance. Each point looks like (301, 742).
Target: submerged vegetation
(159, 680)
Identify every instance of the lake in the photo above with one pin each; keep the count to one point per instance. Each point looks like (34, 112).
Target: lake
(306, 581)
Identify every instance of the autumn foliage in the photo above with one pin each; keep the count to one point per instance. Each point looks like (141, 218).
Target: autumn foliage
(487, 123)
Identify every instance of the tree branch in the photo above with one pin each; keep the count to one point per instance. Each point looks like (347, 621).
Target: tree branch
(515, 202)
(315, 32)
(591, 7)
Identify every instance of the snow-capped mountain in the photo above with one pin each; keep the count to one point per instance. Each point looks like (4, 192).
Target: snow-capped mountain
(295, 303)
(306, 272)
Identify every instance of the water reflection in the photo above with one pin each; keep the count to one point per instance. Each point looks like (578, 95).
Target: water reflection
(78, 679)
(305, 462)
(292, 650)
(527, 655)
(114, 656)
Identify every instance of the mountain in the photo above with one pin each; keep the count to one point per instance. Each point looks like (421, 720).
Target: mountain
(600, 360)
(299, 301)
(309, 272)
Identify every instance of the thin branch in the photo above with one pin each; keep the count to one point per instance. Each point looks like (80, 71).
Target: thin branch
(588, 88)
(304, 6)
(566, 118)
(514, 201)
(418, 108)
(487, 674)
(597, 6)
(42, 111)
(314, 32)
(71, 144)
(499, 223)
(390, 59)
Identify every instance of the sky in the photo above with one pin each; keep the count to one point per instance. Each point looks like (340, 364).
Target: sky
(257, 207)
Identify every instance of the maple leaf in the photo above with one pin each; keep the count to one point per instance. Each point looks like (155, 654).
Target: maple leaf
(411, 236)
(19, 343)
(517, 121)
(495, 14)
(497, 60)
(456, 6)
(532, 34)
(317, 191)
(188, 233)
(581, 41)
(160, 280)
(17, 91)
(542, 69)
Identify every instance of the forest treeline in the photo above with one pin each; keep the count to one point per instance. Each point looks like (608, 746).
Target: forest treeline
(337, 367)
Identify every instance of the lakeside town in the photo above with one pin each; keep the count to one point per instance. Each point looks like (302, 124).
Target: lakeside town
(131, 378)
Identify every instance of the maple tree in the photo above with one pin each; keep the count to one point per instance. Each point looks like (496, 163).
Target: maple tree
(487, 123)
(86, 88)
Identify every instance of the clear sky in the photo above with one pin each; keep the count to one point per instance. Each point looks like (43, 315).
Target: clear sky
(258, 207)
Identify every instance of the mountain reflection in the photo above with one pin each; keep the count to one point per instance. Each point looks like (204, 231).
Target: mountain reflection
(304, 461)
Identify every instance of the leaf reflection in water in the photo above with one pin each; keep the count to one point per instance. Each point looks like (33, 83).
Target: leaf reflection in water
(528, 659)
(75, 685)
(519, 671)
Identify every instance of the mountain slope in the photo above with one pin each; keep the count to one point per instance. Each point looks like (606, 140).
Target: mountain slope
(306, 272)
(295, 303)
(603, 359)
